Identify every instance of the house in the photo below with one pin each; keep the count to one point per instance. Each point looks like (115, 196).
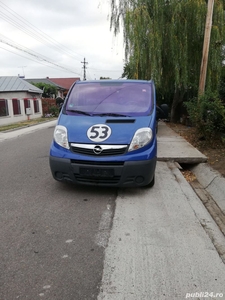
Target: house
(60, 89)
(19, 100)
(66, 83)
(62, 84)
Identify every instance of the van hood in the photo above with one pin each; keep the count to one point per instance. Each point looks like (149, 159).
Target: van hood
(103, 130)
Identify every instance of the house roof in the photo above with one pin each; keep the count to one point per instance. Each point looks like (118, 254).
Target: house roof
(17, 84)
(66, 83)
(43, 80)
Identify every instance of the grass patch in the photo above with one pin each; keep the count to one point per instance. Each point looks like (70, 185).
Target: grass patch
(26, 123)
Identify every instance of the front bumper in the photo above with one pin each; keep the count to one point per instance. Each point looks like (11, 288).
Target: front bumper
(114, 174)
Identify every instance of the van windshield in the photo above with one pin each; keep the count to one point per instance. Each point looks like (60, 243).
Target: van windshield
(111, 98)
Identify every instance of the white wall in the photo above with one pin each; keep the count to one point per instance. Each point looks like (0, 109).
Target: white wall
(11, 118)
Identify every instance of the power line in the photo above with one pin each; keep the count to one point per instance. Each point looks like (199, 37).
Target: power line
(37, 61)
(33, 31)
(37, 56)
(21, 24)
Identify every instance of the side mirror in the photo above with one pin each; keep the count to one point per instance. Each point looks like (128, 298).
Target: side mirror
(162, 112)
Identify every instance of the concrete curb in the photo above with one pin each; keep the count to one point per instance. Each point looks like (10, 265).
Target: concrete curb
(212, 181)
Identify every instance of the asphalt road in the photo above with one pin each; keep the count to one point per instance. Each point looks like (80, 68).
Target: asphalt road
(52, 235)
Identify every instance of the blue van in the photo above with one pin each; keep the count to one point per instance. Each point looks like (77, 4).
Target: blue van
(106, 134)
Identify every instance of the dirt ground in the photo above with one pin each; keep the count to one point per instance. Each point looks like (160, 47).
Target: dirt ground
(213, 150)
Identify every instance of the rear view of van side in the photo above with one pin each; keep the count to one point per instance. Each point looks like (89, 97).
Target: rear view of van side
(106, 134)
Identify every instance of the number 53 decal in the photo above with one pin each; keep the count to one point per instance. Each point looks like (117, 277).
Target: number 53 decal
(99, 132)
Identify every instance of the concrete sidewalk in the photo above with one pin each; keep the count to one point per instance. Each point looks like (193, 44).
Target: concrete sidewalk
(173, 147)
(163, 243)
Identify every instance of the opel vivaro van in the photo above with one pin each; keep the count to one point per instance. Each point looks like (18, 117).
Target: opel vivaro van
(106, 134)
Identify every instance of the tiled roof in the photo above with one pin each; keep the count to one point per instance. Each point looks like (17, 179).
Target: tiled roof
(64, 82)
(17, 84)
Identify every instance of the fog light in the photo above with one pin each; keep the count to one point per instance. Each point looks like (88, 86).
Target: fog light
(59, 175)
(139, 179)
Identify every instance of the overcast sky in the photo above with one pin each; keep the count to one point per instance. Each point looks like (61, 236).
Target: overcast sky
(48, 38)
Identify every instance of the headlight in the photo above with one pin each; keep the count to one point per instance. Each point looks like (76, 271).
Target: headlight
(142, 137)
(60, 136)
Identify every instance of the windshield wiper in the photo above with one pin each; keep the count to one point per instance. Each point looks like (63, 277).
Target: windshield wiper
(111, 115)
(79, 112)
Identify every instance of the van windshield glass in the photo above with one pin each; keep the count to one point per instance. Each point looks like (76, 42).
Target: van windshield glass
(113, 98)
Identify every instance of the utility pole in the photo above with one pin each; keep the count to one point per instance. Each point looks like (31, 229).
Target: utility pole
(205, 52)
(84, 67)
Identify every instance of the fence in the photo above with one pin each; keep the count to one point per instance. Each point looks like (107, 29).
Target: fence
(48, 105)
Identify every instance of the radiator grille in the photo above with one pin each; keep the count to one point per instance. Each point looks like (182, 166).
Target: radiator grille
(98, 150)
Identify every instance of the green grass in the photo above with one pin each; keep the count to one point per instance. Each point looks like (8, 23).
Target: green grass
(25, 123)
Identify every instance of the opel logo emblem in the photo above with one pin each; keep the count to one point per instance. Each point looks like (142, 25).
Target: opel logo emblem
(97, 150)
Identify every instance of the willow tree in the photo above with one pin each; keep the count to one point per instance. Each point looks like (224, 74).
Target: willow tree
(164, 40)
